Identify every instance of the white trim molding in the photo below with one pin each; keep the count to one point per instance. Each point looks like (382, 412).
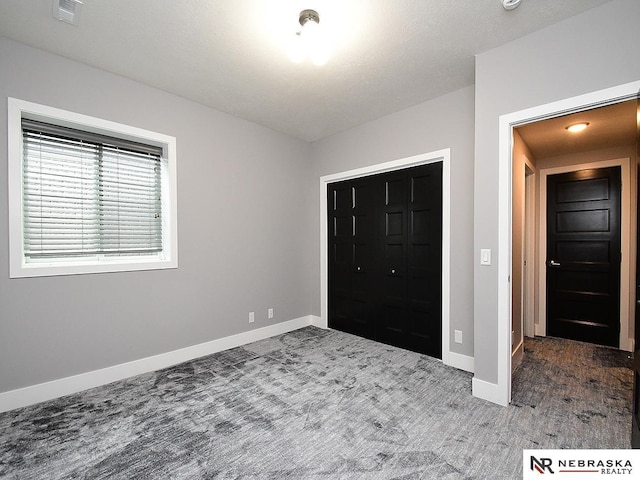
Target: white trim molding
(488, 391)
(443, 156)
(461, 362)
(501, 392)
(17, 110)
(65, 386)
(317, 322)
(517, 356)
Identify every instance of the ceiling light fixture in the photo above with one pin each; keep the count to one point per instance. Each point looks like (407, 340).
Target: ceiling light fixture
(577, 127)
(510, 4)
(308, 42)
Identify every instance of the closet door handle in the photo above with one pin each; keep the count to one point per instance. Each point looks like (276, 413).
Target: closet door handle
(553, 263)
(393, 271)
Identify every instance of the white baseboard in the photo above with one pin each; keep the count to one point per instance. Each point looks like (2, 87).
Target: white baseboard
(462, 362)
(540, 330)
(517, 356)
(317, 322)
(627, 344)
(488, 391)
(65, 386)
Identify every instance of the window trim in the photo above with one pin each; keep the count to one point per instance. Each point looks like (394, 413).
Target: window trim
(18, 268)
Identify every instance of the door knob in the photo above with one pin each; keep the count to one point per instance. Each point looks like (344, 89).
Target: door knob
(553, 263)
(358, 268)
(393, 270)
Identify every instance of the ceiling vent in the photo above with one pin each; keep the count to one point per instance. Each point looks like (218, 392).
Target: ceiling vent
(67, 11)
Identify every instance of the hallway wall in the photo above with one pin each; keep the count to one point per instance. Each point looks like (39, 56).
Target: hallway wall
(537, 69)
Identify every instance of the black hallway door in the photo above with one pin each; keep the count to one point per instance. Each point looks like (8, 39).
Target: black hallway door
(385, 257)
(583, 255)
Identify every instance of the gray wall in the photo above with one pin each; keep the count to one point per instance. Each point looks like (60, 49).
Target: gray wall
(588, 52)
(248, 201)
(446, 122)
(243, 226)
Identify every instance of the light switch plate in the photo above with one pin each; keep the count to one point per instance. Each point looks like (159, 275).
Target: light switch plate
(485, 256)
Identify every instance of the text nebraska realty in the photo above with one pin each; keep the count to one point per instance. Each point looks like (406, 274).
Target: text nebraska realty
(606, 467)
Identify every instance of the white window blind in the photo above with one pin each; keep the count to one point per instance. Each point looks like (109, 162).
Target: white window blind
(88, 195)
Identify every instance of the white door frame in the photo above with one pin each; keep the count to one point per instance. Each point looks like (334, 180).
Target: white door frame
(507, 122)
(443, 156)
(625, 246)
(530, 250)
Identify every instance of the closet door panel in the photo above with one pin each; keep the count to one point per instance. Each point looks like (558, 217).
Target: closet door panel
(392, 323)
(352, 236)
(424, 288)
(385, 267)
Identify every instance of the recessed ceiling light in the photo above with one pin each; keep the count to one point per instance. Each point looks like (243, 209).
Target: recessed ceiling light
(577, 127)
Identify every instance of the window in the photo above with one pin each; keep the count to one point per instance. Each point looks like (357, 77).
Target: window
(87, 195)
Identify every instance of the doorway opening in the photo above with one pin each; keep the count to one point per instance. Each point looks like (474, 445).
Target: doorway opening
(507, 126)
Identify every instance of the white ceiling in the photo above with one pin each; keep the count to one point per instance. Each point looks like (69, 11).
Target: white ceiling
(611, 126)
(231, 54)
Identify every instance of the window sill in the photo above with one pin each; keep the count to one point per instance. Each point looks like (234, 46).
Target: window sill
(50, 269)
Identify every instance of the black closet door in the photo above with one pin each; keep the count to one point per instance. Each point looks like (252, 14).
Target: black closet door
(353, 224)
(393, 318)
(424, 239)
(411, 284)
(385, 258)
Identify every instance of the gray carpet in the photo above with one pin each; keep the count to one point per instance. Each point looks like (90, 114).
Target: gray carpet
(317, 404)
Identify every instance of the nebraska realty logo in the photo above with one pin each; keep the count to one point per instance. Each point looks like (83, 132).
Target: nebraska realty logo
(580, 464)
